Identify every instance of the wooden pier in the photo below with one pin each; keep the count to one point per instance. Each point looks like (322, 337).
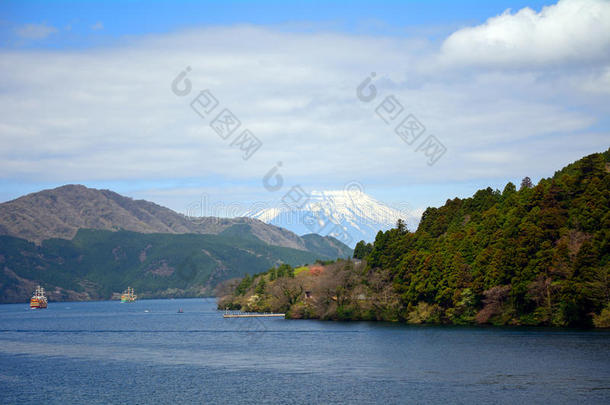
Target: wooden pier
(251, 315)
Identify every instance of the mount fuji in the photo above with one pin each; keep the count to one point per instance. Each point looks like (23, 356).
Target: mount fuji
(348, 215)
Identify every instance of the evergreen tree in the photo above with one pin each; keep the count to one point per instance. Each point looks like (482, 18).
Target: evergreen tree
(244, 285)
(401, 226)
(260, 287)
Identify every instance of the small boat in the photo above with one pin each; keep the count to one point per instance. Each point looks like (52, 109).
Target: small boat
(180, 311)
(129, 295)
(38, 300)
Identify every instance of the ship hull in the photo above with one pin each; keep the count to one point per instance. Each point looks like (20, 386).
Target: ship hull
(37, 304)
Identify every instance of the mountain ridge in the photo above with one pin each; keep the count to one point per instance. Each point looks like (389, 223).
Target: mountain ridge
(60, 212)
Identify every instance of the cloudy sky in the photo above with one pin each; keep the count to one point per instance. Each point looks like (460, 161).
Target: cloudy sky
(507, 89)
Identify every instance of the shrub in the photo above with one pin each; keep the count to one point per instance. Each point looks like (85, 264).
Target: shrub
(602, 320)
(424, 313)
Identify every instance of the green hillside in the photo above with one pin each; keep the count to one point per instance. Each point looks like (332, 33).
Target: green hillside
(97, 263)
(327, 246)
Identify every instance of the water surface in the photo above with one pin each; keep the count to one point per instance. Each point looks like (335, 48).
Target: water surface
(146, 352)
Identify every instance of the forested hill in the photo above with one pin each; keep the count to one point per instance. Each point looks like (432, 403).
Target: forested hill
(537, 255)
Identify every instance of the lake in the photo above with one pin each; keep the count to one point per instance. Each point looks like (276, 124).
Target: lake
(146, 352)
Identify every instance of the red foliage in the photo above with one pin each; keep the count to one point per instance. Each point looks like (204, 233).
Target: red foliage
(316, 270)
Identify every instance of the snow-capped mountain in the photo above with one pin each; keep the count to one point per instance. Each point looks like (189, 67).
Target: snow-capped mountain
(349, 215)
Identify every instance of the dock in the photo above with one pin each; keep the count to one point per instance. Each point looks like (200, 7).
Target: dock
(252, 315)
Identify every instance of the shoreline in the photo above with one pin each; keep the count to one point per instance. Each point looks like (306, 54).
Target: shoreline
(453, 325)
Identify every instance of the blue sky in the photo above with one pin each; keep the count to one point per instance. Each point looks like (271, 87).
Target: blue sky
(85, 95)
(121, 18)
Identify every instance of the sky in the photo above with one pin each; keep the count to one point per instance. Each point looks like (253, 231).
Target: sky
(491, 92)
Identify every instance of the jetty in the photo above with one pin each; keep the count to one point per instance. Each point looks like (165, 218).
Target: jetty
(228, 314)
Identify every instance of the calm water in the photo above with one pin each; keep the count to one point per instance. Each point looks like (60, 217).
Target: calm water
(142, 353)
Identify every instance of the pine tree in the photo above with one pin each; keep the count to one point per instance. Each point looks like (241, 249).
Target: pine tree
(526, 183)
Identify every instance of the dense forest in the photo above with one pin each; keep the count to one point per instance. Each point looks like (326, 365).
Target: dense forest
(537, 255)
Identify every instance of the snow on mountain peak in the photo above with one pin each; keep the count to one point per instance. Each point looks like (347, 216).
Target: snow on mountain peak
(349, 215)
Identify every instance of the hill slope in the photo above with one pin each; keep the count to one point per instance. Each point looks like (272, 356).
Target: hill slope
(326, 246)
(97, 264)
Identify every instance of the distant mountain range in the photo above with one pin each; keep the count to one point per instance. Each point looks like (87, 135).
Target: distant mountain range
(83, 243)
(348, 215)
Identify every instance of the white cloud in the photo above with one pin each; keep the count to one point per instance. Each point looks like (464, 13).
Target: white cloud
(97, 26)
(109, 114)
(571, 31)
(35, 31)
(597, 82)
